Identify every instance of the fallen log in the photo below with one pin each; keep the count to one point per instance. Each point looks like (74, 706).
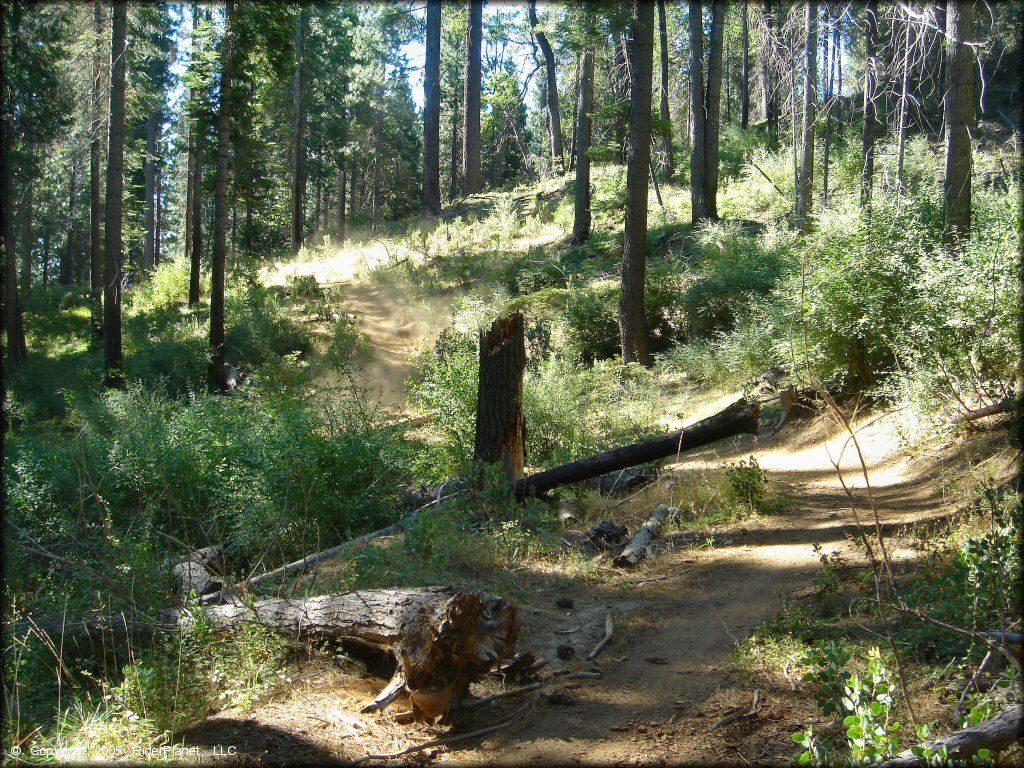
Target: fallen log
(636, 550)
(738, 418)
(442, 639)
(1003, 406)
(997, 733)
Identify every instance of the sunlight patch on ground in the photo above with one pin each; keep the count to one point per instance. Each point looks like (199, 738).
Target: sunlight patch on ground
(337, 265)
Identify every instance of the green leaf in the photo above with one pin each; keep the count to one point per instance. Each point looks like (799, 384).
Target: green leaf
(799, 738)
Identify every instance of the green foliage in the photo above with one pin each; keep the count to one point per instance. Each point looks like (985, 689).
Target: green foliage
(749, 483)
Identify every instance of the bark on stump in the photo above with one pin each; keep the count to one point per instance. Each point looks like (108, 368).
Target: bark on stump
(500, 430)
(636, 550)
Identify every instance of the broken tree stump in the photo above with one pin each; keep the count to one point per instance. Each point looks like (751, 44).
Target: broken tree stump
(738, 418)
(636, 550)
(500, 429)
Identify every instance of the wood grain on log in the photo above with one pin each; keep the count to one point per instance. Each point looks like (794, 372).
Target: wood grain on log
(997, 733)
(738, 418)
(636, 550)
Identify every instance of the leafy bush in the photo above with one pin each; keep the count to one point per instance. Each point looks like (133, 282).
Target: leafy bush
(749, 483)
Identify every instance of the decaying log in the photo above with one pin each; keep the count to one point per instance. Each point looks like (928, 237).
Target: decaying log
(623, 480)
(738, 418)
(442, 639)
(636, 550)
(500, 435)
(192, 576)
(997, 733)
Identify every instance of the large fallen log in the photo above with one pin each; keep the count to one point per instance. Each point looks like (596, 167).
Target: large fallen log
(441, 638)
(998, 733)
(636, 550)
(738, 418)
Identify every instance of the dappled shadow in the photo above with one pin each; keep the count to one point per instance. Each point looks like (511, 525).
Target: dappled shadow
(247, 742)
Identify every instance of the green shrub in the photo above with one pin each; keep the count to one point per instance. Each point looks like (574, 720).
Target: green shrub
(748, 482)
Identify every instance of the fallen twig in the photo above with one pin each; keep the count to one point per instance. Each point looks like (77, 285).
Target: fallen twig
(609, 630)
(440, 742)
(498, 696)
(740, 713)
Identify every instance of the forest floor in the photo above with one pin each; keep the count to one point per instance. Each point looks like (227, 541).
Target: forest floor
(672, 669)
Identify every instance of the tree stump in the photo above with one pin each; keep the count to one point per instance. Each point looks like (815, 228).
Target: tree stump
(500, 430)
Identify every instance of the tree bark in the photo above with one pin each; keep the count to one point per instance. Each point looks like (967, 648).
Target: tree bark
(769, 86)
(17, 350)
(150, 187)
(196, 267)
(867, 151)
(158, 204)
(573, 133)
(471, 181)
(958, 111)
(341, 204)
(298, 136)
(557, 153)
(632, 319)
(582, 215)
(745, 67)
(713, 106)
(663, 106)
(738, 418)
(636, 549)
(112, 243)
(1000, 732)
(432, 113)
(95, 186)
(698, 112)
(27, 237)
(806, 188)
(901, 140)
(828, 58)
(67, 256)
(500, 435)
(216, 374)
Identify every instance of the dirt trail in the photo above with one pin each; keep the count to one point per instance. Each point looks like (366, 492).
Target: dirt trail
(666, 677)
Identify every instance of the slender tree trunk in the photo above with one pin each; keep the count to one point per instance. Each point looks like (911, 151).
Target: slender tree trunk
(870, 78)
(713, 109)
(902, 132)
(67, 256)
(353, 172)
(632, 319)
(620, 86)
(745, 68)
(46, 257)
(298, 136)
(150, 186)
(16, 348)
(216, 375)
(341, 205)
(376, 191)
(828, 58)
(837, 44)
(557, 153)
(115, 191)
(158, 203)
(190, 170)
(471, 180)
(575, 115)
(663, 107)
(581, 218)
(803, 210)
(95, 186)
(958, 112)
(27, 237)
(769, 83)
(454, 187)
(431, 207)
(698, 114)
(197, 224)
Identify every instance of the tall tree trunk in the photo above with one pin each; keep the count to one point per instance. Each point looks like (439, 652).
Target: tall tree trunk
(554, 114)
(197, 224)
(454, 187)
(804, 200)
(769, 85)
(216, 375)
(341, 205)
(620, 86)
(745, 68)
(112, 243)
(698, 122)
(95, 186)
(471, 180)
(158, 204)
(573, 134)
(632, 320)
(431, 207)
(958, 112)
(353, 172)
(16, 349)
(581, 217)
(27, 237)
(298, 136)
(902, 131)
(190, 170)
(376, 190)
(713, 109)
(150, 183)
(837, 44)
(828, 59)
(663, 108)
(867, 151)
(67, 257)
